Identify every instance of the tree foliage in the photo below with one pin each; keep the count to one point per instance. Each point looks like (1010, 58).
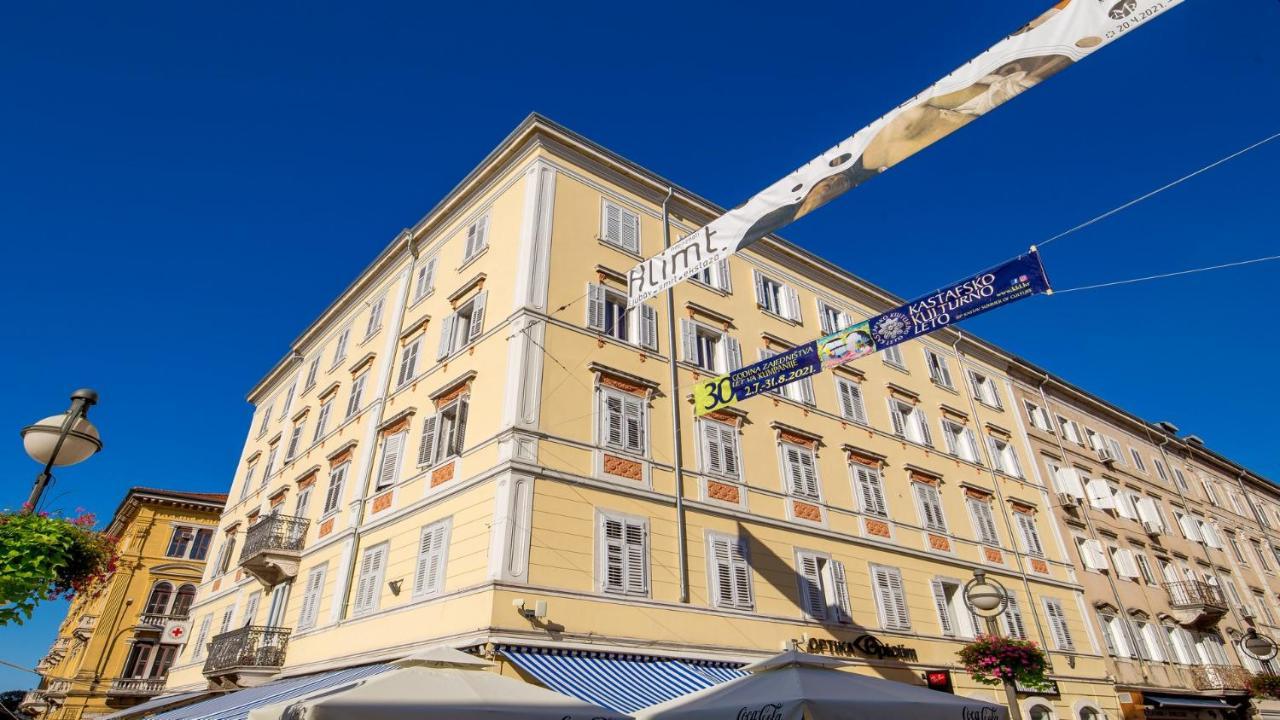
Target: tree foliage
(44, 557)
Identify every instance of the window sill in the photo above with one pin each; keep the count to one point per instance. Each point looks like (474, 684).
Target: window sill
(783, 318)
(619, 248)
(900, 368)
(722, 292)
(370, 336)
(990, 406)
(418, 300)
(466, 263)
(943, 386)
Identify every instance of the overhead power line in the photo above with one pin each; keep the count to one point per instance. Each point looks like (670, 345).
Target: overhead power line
(1169, 275)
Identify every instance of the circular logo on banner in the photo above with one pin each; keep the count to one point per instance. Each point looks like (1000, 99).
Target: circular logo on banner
(890, 328)
(1122, 9)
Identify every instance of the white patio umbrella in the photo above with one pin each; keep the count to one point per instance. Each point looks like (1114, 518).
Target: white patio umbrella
(800, 686)
(437, 683)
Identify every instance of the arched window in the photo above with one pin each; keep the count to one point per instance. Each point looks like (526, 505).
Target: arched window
(1090, 713)
(182, 601)
(1040, 712)
(158, 602)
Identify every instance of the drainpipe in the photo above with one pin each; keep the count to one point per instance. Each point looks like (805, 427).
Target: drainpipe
(1093, 535)
(1004, 511)
(394, 327)
(677, 441)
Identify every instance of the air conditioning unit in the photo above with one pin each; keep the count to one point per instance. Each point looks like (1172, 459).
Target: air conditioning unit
(1066, 500)
(1151, 528)
(1246, 612)
(1106, 456)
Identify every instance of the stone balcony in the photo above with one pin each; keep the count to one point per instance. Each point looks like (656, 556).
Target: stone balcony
(136, 687)
(273, 548)
(57, 688)
(246, 657)
(156, 622)
(1196, 604)
(33, 703)
(1220, 677)
(84, 627)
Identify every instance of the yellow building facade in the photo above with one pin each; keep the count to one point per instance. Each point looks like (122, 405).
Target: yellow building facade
(114, 649)
(475, 445)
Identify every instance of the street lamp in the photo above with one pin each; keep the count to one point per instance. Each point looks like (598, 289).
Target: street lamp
(987, 598)
(63, 439)
(1257, 646)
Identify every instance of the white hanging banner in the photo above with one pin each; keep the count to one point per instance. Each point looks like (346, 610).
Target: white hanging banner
(1065, 34)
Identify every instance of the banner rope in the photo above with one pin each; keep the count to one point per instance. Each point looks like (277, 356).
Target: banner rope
(1168, 275)
(1158, 190)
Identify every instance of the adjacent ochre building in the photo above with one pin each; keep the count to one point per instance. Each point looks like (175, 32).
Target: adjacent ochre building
(114, 649)
(473, 446)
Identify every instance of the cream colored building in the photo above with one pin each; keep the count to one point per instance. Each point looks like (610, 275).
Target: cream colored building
(473, 446)
(114, 649)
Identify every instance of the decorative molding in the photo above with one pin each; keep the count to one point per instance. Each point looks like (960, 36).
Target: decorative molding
(475, 282)
(862, 456)
(361, 363)
(461, 381)
(331, 389)
(602, 371)
(694, 308)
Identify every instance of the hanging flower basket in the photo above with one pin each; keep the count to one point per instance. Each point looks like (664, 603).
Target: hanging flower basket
(44, 557)
(1265, 686)
(992, 660)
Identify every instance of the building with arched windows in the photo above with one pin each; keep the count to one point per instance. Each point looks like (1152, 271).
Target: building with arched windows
(114, 650)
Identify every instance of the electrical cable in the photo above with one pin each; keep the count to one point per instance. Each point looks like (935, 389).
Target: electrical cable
(1159, 190)
(1168, 275)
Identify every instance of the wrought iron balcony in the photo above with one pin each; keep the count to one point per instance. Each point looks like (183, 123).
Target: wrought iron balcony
(1220, 677)
(136, 687)
(1196, 603)
(273, 547)
(247, 656)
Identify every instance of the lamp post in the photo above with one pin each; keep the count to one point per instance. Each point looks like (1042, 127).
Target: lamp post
(1257, 646)
(63, 439)
(987, 598)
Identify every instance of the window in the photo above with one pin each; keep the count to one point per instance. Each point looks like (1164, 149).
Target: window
(1091, 554)
(312, 371)
(340, 350)
(708, 348)
(621, 228)
(226, 554)
(1182, 646)
(929, 505)
(1190, 528)
(939, 373)
(984, 521)
(1144, 568)
(1260, 602)
(1181, 479)
(801, 473)
(1003, 458)
(375, 318)
(622, 421)
(852, 406)
(777, 298)
(1237, 503)
(832, 318)
(1150, 640)
(202, 636)
(720, 449)
(425, 280)
(373, 565)
(300, 505)
(1030, 535)
(1210, 492)
(1014, 627)
(870, 488)
(158, 600)
(322, 419)
(960, 441)
(715, 275)
(295, 439)
(890, 598)
(1262, 558)
(226, 619)
(1209, 534)
(824, 593)
(893, 356)
(1040, 711)
(409, 363)
(909, 422)
(984, 390)
(433, 549)
(288, 401)
(477, 238)
(730, 572)
(189, 542)
(1235, 548)
(1122, 561)
(269, 469)
(357, 390)
(313, 589)
(800, 391)
(179, 542)
(333, 496)
(607, 313)
(1094, 438)
(266, 419)
(623, 552)
(251, 609)
(1114, 635)
(248, 481)
(1070, 430)
(1037, 416)
(462, 326)
(1137, 460)
(1058, 627)
(1113, 449)
(954, 617)
(139, 659)
(444, 434)
(1161, 471)
(389, 465)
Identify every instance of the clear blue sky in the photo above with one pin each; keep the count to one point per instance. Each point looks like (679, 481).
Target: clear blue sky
(183, 188)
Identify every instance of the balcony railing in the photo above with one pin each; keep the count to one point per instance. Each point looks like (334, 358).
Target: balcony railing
(33, 703)
(1220, 677)
(157, 621)
(252, 646)
(58, 687)
(1190, 593)
(273, 547)
(85, 626)
(136, 687)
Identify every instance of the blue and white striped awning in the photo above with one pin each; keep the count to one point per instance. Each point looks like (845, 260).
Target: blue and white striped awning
(236, 705)
(624, 683)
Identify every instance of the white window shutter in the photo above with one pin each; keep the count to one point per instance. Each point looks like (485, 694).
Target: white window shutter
(806, 391)
(1189, 529)
(612, 223)
(446, 336)
(851, 404)
(689, 341)
(972, 441)
(637, 562)
(722, 582)
(428, 575)
(460, 432)
(633, 418)
(1013, 619)
(1058, 624)
(1100, 494)
(741, 575)
(713, 450)
(1068, 480)
(722, 274)
(840, 591)
(630, 239)
(949, 435)
(426, 447)
(389, 470)
(922, 423)
(648, 328)
(893, 599)
(732, 353)
(729, 450)
(595, 307)
(815, 604)
(871, 489)
(614, 556)
(945, 620)
(477, 315)
(611, 427)
(760, 298)
(793, 303)
(895, 414)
